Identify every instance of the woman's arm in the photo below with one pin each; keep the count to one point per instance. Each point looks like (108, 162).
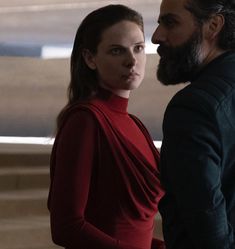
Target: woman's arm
(75, 159)
(157, 244)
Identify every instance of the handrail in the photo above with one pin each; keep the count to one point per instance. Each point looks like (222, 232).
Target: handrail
(28, 145)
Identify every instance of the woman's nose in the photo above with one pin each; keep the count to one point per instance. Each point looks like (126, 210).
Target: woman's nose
(130, 60)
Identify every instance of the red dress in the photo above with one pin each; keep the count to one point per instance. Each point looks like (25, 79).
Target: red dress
(104, 179)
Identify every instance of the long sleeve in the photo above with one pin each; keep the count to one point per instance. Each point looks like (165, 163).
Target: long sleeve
(191, 170)
(75, 155)
(157, 244)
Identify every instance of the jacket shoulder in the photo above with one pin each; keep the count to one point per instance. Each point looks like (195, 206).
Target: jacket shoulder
(209, 93)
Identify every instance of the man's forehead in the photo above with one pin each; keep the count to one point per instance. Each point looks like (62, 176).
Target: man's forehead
(173, 8)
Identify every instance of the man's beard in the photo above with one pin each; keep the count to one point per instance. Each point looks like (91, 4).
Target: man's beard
(179, 64)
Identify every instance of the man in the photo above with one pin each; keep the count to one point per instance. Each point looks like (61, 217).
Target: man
(196, 44)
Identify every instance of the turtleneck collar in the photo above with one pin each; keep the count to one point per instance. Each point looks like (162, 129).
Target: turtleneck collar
(113, 101)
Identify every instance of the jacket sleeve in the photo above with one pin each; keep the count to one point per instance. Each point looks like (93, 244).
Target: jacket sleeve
(191, 168)
(75, 158)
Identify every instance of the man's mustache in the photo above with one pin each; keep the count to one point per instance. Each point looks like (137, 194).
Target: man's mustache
(164, 50)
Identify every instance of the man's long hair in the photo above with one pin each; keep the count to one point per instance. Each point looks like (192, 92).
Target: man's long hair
(203, 10)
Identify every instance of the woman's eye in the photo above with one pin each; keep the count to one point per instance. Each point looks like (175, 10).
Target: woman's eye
(116, 51)
(139, 48)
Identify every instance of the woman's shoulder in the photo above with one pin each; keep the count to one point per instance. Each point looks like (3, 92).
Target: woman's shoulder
(89, 111)
(78, 113)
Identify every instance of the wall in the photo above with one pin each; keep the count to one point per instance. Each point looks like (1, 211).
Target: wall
(34, 90)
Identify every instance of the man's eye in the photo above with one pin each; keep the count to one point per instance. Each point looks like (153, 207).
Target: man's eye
(169, 23)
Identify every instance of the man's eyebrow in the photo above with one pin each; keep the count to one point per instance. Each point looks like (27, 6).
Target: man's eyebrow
(167, 17)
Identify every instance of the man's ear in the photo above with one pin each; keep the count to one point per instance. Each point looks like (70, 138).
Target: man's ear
(89, 59)
(215, 25)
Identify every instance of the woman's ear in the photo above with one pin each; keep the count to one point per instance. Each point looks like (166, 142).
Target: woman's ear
(89, 59)
(215, 25)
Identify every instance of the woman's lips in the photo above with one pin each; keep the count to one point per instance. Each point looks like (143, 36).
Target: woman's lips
(131, 75)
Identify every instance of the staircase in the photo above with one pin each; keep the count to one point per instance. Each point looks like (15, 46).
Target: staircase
(24, 182)
(24, 218)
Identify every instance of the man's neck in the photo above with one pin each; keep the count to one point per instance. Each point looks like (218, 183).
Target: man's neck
(212, 55)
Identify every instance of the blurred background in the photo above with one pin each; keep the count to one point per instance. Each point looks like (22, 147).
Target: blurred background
(36, 38)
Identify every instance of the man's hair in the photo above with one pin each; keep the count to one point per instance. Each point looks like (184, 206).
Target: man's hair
(203, 10)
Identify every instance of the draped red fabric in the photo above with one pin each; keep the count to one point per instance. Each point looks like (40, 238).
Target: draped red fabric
(104, 178)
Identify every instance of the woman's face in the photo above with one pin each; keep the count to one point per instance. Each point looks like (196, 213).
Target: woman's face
(120, 58)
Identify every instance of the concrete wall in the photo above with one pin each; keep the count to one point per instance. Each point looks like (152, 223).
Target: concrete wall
(32, 92)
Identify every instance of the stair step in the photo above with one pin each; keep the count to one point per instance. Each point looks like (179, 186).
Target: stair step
(24, 159)
(13, 178)
(157, 233)
(30, 232)
(33, 232)
(26, 225)
(52, 246)
(23, 203)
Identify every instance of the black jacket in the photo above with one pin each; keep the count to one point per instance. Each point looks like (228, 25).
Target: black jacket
(198, 161)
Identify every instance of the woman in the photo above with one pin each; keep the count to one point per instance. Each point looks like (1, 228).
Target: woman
(104, 178)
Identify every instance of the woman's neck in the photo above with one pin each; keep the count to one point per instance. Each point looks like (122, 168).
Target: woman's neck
(119, 92)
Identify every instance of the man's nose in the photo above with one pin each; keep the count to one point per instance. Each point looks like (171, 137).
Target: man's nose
(159, 35)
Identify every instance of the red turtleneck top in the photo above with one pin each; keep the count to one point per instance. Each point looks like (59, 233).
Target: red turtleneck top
(104, 178)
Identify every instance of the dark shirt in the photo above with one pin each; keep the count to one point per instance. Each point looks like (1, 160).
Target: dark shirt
(198, 161)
